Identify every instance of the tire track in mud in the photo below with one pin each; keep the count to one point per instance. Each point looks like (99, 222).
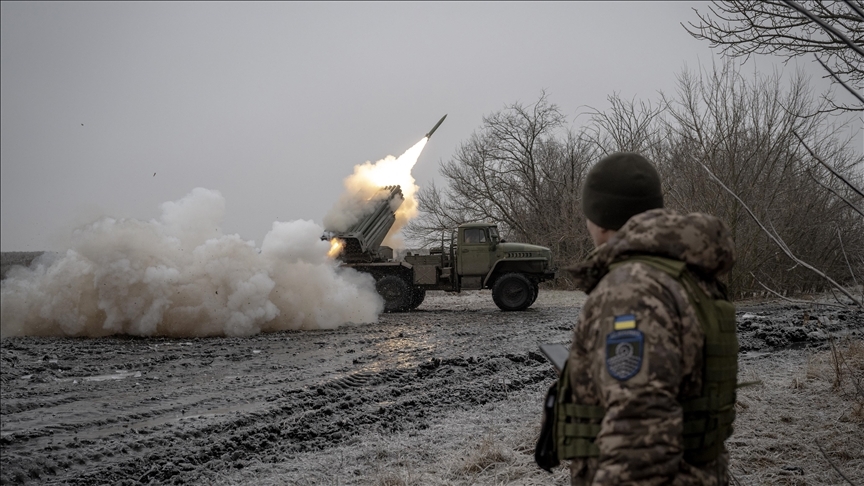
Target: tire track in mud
(308, 420)
(155, 410)
(301, 391)
(327, 416)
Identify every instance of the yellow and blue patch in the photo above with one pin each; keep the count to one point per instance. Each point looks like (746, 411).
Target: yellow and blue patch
(626, 321)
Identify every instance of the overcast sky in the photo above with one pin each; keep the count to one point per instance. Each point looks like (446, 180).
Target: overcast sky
(272, 104)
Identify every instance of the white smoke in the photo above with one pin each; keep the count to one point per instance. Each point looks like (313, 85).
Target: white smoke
(180, 276)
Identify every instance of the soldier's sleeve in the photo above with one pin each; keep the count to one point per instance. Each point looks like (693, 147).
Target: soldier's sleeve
(640, 353)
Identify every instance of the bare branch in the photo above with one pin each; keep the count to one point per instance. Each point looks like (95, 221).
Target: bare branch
(825, 25)
(832, 462)
(855, 8)
(852, 272)
(790, 29)
(831, 169)
(796, 301)
(837, 78)
(832, 191)
(779, 241)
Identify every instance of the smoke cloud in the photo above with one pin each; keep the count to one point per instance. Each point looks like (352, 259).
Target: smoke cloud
(364, 183)
(180, 276)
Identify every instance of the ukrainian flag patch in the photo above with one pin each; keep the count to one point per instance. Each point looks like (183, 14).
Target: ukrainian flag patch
(627, 321)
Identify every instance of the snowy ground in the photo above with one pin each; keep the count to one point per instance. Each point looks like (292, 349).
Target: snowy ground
(449, 394)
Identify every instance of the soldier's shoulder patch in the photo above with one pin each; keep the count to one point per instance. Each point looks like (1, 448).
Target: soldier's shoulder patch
(624, 351)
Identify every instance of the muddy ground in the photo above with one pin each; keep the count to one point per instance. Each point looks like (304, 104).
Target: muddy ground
(449, 394)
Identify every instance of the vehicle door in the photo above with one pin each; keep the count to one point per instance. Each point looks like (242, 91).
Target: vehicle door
(475, 248)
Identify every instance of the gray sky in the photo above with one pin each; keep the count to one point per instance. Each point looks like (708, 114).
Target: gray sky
(272, 104)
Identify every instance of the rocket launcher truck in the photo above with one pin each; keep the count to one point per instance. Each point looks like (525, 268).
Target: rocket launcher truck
(473, 257)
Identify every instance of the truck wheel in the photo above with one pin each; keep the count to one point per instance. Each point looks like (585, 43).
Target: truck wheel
(417, 296)
(536, 288)
(512, 292)
(395, 292)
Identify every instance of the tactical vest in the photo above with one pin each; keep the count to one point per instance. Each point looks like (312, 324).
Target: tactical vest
(707, 418)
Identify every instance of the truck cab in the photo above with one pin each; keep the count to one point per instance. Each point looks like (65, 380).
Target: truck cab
(478, 259)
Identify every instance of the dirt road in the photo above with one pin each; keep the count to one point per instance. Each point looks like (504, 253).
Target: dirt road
(401, 401)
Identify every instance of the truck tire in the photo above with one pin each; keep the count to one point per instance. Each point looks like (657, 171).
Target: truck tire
(536, 288)
(395, 292)
(417, 296)
(512, 292)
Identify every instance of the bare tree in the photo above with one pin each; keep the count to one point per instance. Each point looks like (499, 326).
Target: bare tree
(744, 132)
(523, 169)
(833, 30)
(627, 126)
(782, 244)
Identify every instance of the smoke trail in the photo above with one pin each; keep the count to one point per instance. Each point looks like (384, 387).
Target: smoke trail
(364, 183)
(180, 276)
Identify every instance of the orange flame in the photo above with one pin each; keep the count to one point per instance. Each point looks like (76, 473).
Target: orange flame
(336, 246)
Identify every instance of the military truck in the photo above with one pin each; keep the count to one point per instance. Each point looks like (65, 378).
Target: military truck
(471, 257)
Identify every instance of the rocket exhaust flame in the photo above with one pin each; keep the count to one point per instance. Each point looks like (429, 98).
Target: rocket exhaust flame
(336, 246)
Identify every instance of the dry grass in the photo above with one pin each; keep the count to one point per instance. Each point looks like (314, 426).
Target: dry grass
(847, 359)
(843, 366)
(395, 479)
(856, 357)
(505, 454)
(802, 425)
(488, 454)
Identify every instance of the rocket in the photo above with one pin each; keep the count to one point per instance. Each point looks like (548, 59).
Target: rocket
(436, 126)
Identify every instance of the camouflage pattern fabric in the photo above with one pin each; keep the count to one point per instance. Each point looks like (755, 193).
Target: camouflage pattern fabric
(640, 438)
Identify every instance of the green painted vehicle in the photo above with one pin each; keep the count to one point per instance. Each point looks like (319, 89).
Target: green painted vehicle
(471, 257)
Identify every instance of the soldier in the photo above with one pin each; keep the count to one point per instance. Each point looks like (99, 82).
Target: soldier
(648, 392)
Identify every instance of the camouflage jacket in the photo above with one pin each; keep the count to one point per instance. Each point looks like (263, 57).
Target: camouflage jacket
(640, 438)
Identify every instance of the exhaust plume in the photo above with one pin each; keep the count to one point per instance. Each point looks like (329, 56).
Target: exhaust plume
(365, 182)
(180, 276)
